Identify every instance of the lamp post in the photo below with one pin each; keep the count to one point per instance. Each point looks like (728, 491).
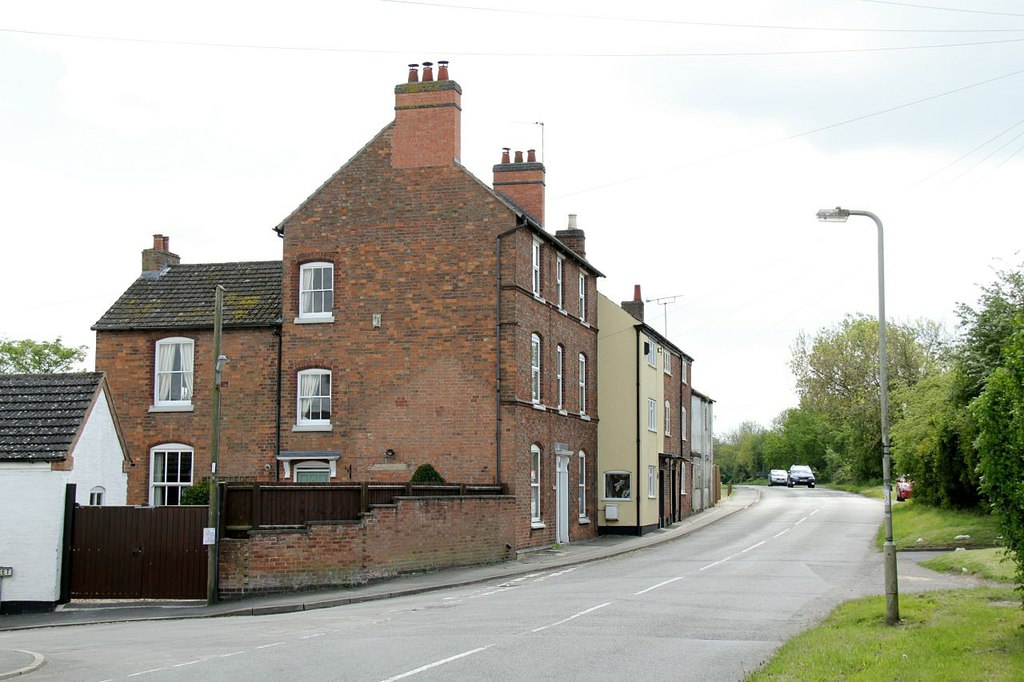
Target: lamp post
(892, 597)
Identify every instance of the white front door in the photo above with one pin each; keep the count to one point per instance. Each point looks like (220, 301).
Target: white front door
(562, 500)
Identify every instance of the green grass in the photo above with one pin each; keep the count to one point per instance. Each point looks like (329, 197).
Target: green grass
(916, 526)
(867, 490)
(953, 635)
(992, 564)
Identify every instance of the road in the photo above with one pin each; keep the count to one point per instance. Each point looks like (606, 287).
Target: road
(712, 605)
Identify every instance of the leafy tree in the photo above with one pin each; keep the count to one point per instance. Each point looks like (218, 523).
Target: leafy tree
(837, 377)
(798, 436)
(931, 438)
(740, 454)
(986, 330)
(38, 357)
(999, 412)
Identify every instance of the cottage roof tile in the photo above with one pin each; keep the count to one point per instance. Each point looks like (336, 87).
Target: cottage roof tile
(40, 414)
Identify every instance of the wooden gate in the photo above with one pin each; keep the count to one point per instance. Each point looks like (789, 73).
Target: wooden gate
(138, 553)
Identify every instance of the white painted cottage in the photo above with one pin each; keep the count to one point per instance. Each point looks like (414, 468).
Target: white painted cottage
(55, 430)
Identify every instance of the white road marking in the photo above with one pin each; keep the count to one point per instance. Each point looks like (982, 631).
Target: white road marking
(435, 664)
(781, 533)
(229, 655)
(801, 521)
(319, 634)
(753, 547)
(182, 665)
(267, 646)
(815, 511)
(661, 584)
(146, 672)
(572, 617)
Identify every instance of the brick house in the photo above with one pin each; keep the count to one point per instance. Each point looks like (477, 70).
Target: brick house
(417, 316)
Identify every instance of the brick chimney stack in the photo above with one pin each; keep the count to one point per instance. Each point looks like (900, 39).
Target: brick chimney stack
(428, 119)
(160, 256)
(636, 306)
(522, 182)
(573, 237)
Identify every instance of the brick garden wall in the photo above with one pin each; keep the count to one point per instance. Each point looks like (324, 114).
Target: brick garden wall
(415, 534)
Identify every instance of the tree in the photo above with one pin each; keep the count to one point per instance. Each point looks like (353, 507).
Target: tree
(798, 436)
(986, 329)
(999, 413)
(38, 357)
(740, 455)
(837, 376)
(426, 473)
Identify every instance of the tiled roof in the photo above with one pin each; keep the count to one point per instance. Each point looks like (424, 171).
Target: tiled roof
(182, 296)
(41, 413)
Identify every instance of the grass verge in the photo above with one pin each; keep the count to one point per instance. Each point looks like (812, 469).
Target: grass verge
(991, 563)
(919, 527)
(951, 635)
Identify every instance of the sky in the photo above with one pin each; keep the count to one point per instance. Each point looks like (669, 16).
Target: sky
(694, 140)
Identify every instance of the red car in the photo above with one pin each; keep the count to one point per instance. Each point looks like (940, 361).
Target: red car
(904, 488)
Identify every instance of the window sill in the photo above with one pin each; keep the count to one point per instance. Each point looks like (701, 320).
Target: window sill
(537, 525)
(584, 323)
(585, 417)
(314, 320)
(184, 407)
(312, 427)
(539, 406)
(563, 412)
(584, 521)
(564, 311)
(539, 298)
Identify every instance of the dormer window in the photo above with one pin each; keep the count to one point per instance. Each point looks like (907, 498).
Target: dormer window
(316, 292)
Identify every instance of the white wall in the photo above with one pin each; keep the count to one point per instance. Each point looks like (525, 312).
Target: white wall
(31, 530)
(98, 458)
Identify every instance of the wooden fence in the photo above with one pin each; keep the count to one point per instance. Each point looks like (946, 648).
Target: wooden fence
(276, 505)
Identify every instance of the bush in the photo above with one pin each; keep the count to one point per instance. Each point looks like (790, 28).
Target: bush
(197, 494)
(426, 473)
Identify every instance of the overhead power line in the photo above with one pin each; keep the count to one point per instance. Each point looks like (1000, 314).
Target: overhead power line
(945, 9)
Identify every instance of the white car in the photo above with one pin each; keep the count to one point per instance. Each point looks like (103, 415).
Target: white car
(778, 477)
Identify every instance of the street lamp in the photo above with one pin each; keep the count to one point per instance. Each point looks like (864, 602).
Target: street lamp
(892, 597)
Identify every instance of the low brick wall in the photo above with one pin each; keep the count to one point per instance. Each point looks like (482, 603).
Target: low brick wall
(415, 534)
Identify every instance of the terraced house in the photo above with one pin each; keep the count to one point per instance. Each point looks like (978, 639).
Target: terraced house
(417, 316)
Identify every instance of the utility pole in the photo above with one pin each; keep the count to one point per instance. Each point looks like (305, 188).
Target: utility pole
(213, 544)
(664, 301)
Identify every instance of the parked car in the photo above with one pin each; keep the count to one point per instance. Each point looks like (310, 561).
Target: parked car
(904, 488)
(801, 474)
(778, 477)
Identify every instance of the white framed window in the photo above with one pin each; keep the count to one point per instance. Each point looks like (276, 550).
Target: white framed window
(652, 481)
(667, 362)
(652, 353)
(583, 383)
(682, 476)
(581, 487)
(668, 417)
(316, 291)
(312, 471)
(682, 422)
(535, 484)
(314, 392)
(652, 414)
(559, 290)
(170, 472)
(535, 347)
(96, 496)
(583, 297)
(173, 382)
(617, 485)
(535, 277)
(560, 375)
(683, 366)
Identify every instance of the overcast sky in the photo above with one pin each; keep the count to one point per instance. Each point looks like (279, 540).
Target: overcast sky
(695, 140)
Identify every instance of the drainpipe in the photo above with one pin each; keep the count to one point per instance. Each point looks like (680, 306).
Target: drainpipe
(636, 484)
(277, 433)
(520, 223)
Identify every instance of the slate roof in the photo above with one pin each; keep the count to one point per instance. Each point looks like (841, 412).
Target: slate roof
(40, 414)
(182, 296)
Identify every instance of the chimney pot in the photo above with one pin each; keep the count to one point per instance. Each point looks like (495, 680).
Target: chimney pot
(428, 71)
(165, 243)
(519, 157)
(636, 293)
(531, 156)
(414, 75)
(158, 241)
(504, 154)
(442, 69)
(572, 221)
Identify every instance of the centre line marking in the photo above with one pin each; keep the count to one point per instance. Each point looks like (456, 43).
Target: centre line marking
(572, 617)
(753, 547)
(780, 533)
(801, 521)
(435, 664)
(654, 587)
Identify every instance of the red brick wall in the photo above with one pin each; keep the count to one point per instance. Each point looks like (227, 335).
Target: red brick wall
(248, 404)
(416, 534)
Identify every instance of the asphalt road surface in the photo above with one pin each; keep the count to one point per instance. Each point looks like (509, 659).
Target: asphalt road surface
(712, 605)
